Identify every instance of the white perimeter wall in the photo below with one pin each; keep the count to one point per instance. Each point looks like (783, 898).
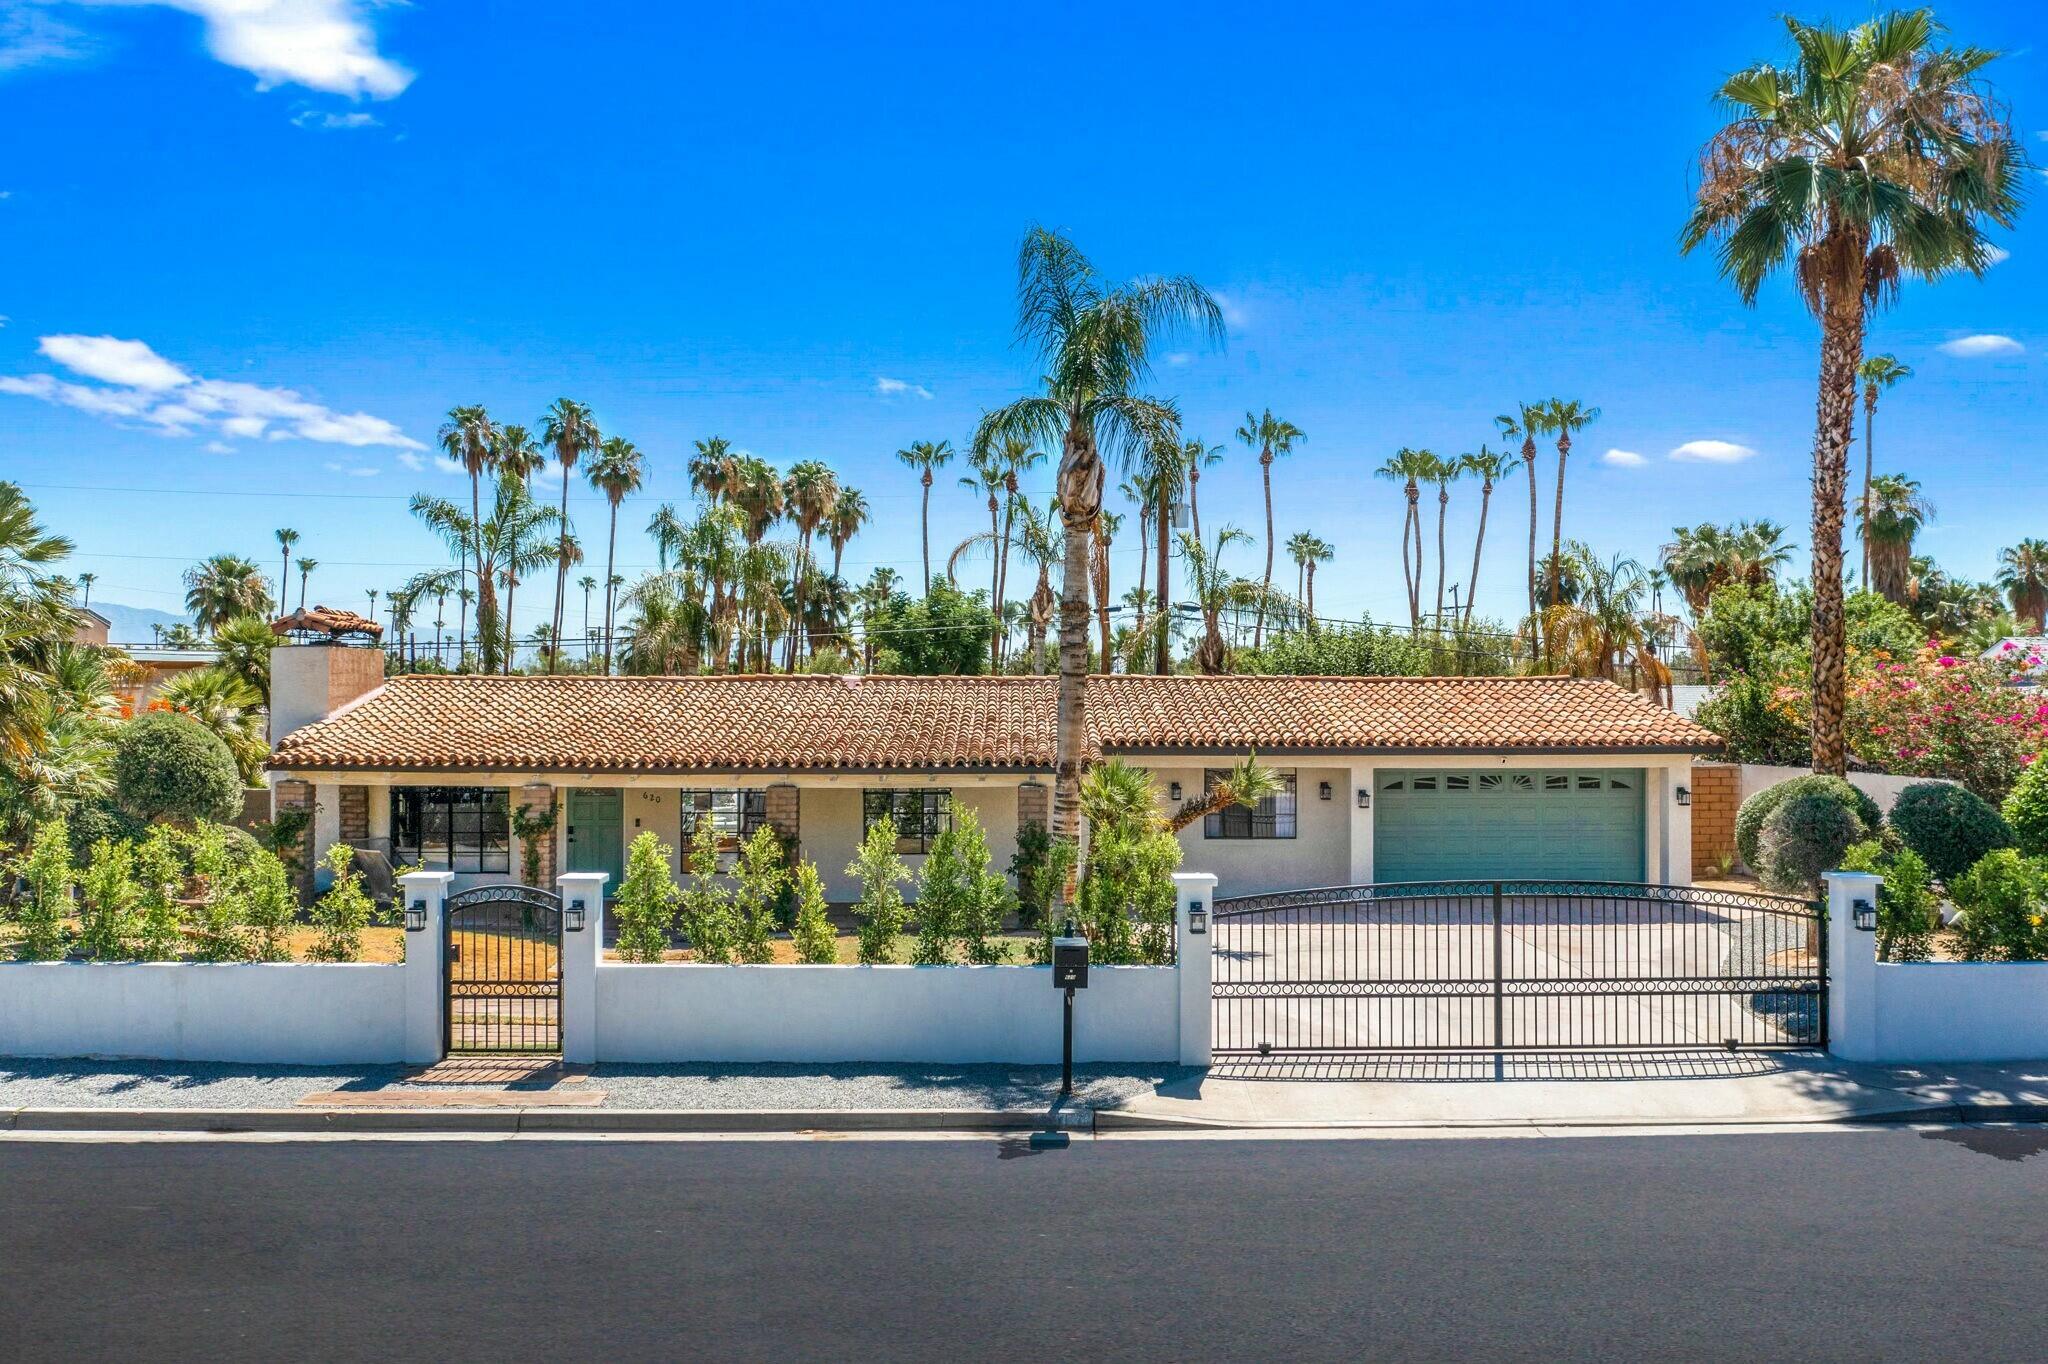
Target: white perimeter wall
(1879, 787)
(944, 1014)
(187, 1011)
(1962, 1011)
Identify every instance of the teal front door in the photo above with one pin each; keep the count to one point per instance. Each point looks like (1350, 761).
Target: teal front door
(596, 836)
(1469, 824)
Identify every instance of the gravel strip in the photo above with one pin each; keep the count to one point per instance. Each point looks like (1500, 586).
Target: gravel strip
(175, 1084)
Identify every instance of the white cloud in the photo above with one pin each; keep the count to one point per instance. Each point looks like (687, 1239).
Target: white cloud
(412, 460)
(4, 319)
(320, 44)
(139, 387)
(900, 388)
(1623, 459)
(1997, 255)
(321, 120)
(218, 447)
(352, 470)
(1712, 452)
(1985, 343)
(1232, 308)
(1179, 359)
(32, 36)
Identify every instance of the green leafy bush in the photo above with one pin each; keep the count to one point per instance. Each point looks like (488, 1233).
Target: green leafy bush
(168, 766)
(960, 900)
(816, 943)
(1749, 820)
(2001, 899)
(93, 821)
(1906, 902)
(50, 876)
(1037, 893)
(219, 926)
(2026, 809)
(758, 879)
(530, 826)
(882, 875)
(107, 901)
(159, 879)
(1752, 727)
(270, 905)
(941, 890)
(1803, 839)
(647, 899)
(340, 915)
(706, 908)
(1951, 828)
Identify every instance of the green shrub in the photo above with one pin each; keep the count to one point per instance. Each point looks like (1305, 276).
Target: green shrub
(1803, 839)
(1753, 729)
(1906, 902)
(816, 943)
(93, 821)
(2001, 899)
(646, 904)
(169, 766)
(50, 877)
(960, 900)
(1950, 827)
(2026, 809)
(1037, 893)
(270, 904)
(341, 914)
(160, 880)
(759, 877)
(1749, 820)
(881, 874)
(107, 901)
(941, 891)
(706, 908)
(530, 826)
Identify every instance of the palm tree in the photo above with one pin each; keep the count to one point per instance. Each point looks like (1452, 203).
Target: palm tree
(504, 536)
(1319, 552)
(286, 538)
(305, 567)
(2023, 577)
(1891, 515)
(586, 582)
(616, 472)
(809, 492)
(1016, 457)
(85, 582)
(849, 514)
(1602, 629)
(1708, 557)
(222, 587)
(1043, 541)
(1443, 473)
(926, 456)
(1488, 466)
(714, 469)
(1272, 438)
(571, 432)
(470, 439)
(1216, 591)
(518, 457)
(1199, 457)
(463, 597)
(1878, 372)
(987, 479)
(1107, 524)
(1529, 421)
(1307, 551)
(666, 529)
(1408, 468)
(1094, 343)
(1562, 417)
(1873, 155)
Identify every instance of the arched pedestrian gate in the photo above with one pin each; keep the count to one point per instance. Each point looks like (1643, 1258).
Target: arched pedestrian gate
(503, 958)
(1516, 966)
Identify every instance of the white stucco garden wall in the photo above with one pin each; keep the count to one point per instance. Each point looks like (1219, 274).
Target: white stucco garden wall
(285, 1014)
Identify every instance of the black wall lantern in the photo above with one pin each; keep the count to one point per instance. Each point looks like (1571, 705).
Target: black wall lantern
(1364, 799)
(416, 917)
(573, 917)
(1323, 790)
(1685, 795)
(1198, 918)
(1863, 916)
(1173, 790)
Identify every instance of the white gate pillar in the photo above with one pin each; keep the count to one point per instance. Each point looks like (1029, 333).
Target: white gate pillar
(581, 952)
(1360, 815)
(424, 893)
(1194, 895)
(1852, 968)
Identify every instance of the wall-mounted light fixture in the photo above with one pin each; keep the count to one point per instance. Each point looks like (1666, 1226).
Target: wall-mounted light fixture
(1863, 916)
(1173, 790)
(1322, 790)
(1198, 917)
(1685, 795)
(1364, 799)
(573, 917)
(416, 917)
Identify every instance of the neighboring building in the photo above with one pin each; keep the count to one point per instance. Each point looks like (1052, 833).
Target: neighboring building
(91, 630)
(2030, 651)
(1388, 778)
(152, 666)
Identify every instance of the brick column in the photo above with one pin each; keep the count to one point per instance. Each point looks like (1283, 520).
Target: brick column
(1034, 804)
(1716, 792)
(355, 815)
(536, 799)
(293, 794)
(785, 811)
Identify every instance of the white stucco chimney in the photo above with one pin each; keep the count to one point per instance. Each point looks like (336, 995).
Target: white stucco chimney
(309, 682)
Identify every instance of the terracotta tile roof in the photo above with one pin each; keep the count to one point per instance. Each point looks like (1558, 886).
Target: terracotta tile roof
(712, 724)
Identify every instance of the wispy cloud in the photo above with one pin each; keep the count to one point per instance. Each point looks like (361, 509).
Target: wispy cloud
(135, 386)
(413, 460)
(1235, 315)
(326, 121)
(325, 45)
(1997, 255)
(1623, 459)
(1712, 452)
(30, 35)
(900, 388)
(352, 470)
(1179, 359)
(1984, 343)
(218, 447)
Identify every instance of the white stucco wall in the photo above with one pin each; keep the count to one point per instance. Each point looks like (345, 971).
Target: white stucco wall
(1318, 855)
(187, 1011)
(1880, 787)
(944, 1014)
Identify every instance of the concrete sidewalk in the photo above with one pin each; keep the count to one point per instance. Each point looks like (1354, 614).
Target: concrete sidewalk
(1689, 1089)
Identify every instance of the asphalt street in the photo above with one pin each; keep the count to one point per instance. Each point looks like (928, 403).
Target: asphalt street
(1870, 1244)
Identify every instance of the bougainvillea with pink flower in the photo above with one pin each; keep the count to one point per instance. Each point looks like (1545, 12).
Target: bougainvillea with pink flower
(1937, 715)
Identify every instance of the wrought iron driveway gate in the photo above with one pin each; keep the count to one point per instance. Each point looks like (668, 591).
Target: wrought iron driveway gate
(503, 951)
(1517, 966)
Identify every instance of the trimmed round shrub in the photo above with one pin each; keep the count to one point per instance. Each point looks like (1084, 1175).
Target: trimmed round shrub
(1749, 820)
(169, 766)
(2026, 809)
(1803, 839)
(1951, 827)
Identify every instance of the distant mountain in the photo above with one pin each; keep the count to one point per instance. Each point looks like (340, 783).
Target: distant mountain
(131, 624)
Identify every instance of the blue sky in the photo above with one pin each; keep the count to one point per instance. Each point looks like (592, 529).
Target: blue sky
(326, 222)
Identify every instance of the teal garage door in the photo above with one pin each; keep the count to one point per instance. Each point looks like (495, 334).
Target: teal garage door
(1508, 824)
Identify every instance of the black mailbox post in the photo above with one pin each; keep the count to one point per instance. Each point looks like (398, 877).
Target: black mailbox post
(1069, 973)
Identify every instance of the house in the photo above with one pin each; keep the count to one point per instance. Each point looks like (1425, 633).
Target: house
(1386, 778)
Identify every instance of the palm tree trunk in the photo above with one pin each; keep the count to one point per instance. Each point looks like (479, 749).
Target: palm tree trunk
(486, 659)
(461, 632)
(1869, 411)
(1003, 578)
(1841, 350)
(1080, 499)
(924, 529)
(611, 551)
(1407, 571)
(995, 589)
(511, 635)
(1162, 662)
(1266, 474)
(1564, 449)
(1194, 504)
(302, 590)
(1529, 464)
(1311, 595)
(796, 596)
(1478, 544)
(561, 574)
(1144, 559)
(1101, 558)
(1443, 508)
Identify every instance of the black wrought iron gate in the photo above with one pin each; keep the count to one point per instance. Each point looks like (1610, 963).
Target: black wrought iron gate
(1517, 966)
(503, 955)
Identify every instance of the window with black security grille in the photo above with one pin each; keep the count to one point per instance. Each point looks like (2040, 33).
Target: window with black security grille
(733, 814)
(1272, 817)
(452, 828)
(919, 815)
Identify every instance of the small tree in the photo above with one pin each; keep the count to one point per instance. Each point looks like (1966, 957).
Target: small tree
(285, 835)
(159, 878)
(2002, 900)
(881, 874)
(816, 943)
(941, 897)
(220, 930)
(168, 766)
(707, 908)
(1952, 828)
(646, 906)
(271, 904)
(47, 870)
(1803, 840)
(984, 897)
(760, 879)
(2026, 809)
(1037, 893)
(107, 901)
(343, 912)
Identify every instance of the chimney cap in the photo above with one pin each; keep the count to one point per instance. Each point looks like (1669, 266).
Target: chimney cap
(328, 621)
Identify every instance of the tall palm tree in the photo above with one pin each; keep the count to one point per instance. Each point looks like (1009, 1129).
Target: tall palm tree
(1272, 438)
(571, 432)
(808, 492)
(1408, 468)
(1016, 457)
(1878, 372)
(1488, 466)
(616, 472)
(1562, 417)
(2023, 577)
(1875, 154)
(586, 582)
(305, 567)
(1529, 421)
(1107, 524)
(1602, 630)
(1891, 515)
(504, 543)
(849, 514)
(714, 469)
(926, 456)
(987, 480)
(666, 529)
(1093, 341)
(1708, 557)
(469, 438)
(1443, 473)
(85, 582)
(1298, 550)
(463, 597)
(286, 538)
(1168, 466)
(219, 588)
(519, 457)
(1216, 591)
(1318, 551)
(1199, 457)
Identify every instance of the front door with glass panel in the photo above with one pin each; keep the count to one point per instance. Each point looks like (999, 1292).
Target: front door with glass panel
(596, 833)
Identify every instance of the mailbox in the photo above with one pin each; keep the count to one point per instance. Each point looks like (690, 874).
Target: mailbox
(1070, 963)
